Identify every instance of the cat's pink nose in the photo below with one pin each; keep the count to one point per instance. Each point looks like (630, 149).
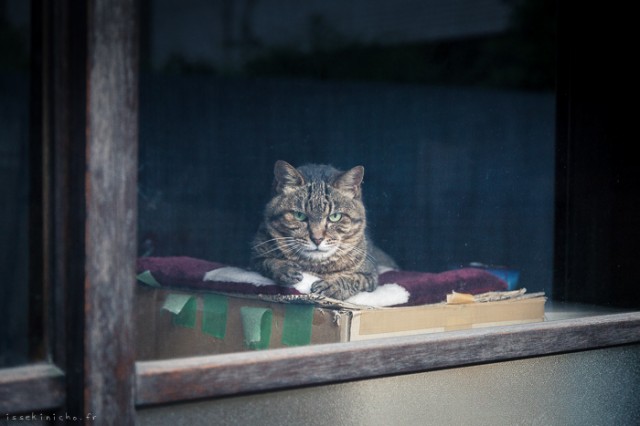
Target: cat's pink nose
(317, 240)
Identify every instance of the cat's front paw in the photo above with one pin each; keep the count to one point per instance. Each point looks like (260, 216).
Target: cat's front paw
(288, 275)
(328, 289)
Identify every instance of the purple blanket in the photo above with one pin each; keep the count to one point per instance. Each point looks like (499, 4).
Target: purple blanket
(396, 288)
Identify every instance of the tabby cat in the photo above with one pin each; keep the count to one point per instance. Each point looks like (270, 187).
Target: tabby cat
(315, 223)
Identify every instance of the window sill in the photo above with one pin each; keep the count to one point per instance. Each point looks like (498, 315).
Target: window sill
(231, 374)
(31, 387)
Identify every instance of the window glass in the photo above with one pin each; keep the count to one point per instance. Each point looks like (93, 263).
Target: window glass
(14, 175)
(448, 105)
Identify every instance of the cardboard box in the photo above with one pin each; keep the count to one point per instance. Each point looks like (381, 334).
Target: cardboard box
(174, 324)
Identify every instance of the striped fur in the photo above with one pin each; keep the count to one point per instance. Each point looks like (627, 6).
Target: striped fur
(316, 223)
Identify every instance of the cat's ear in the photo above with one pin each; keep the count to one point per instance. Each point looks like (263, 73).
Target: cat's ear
(350, 181)
(286, 177)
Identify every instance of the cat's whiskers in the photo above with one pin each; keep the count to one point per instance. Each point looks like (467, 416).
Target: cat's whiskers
(358, 250)
(298, 253)
(273, 240)
(348, 255)
(283, 247)
(289, 248)
(284, 250)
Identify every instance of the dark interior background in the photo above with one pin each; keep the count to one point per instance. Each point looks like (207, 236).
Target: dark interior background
(449, 107)
(14, 180)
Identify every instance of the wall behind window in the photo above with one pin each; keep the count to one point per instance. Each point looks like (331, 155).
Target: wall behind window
(452, 175)
(457, 145)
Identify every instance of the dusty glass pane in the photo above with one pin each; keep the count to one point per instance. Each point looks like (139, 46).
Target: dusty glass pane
(14, 175)
(448, 106)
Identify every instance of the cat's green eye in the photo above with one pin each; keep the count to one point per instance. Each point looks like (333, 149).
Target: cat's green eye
(335, 217)
(299, 216)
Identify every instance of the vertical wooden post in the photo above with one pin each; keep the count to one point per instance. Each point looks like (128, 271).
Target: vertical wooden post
(111, 214)
(94, 137)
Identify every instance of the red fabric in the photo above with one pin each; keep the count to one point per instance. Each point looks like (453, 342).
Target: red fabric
(423, 287)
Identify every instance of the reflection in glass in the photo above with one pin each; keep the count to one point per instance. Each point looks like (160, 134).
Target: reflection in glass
(451, 119)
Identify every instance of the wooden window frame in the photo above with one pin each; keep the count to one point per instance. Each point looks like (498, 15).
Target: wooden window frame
(89, 142)
(85, 62)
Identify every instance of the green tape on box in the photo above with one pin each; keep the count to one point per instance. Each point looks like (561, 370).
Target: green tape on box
(183, 307)
(147, 278)
(256, 327)
(297, 326)
(214, 315)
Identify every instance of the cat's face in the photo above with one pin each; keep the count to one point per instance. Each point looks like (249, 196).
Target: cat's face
(316, 211)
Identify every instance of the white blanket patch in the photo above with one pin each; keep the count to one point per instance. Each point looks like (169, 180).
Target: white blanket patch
(232, 274)
(385, 295)
(304, 286)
